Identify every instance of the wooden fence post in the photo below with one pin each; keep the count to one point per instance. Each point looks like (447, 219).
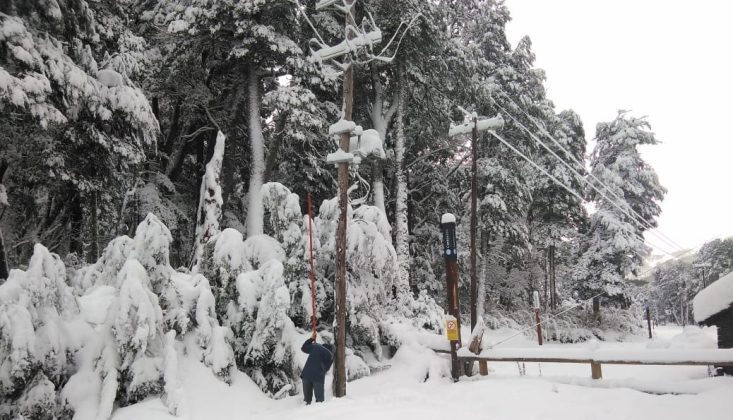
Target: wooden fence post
(596, 372)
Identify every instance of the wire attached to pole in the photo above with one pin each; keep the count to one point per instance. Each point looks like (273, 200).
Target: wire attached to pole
(312, 273)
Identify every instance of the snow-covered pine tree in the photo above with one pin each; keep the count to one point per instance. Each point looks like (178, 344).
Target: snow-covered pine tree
(287, 224)
(615, 247)
(36, 342)
(138, 331)
(715, 259)
(673, 287)
(90, 121)
(255, 39)
(372, 270)
(556, 215)
(252, 300)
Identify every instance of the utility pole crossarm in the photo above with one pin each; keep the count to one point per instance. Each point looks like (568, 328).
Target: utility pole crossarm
(480, 124)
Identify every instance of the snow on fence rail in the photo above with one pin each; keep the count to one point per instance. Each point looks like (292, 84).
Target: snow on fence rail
(596, 358)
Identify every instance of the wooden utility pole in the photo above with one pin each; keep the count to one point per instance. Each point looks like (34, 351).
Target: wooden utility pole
(450, 254)
(474, 221)
(553, 285)
(474, 127)
(536, 304)
(339, 376)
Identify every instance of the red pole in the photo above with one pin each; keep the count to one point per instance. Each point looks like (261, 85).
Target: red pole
(313, 273)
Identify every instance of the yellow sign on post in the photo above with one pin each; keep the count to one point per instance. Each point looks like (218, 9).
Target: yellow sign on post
(451, 328)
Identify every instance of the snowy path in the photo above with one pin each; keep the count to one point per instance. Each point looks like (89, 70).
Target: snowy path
(564, 391)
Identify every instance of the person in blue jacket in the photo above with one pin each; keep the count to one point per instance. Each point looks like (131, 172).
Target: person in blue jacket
(320, 357)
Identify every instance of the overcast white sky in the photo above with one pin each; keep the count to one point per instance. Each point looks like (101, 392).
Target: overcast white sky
(668, 59)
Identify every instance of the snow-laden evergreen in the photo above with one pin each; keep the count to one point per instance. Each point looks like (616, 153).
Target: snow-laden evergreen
(615, 246)
(253, 300)
(38, 338)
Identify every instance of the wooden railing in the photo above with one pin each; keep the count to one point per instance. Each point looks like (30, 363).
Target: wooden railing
(597, 358)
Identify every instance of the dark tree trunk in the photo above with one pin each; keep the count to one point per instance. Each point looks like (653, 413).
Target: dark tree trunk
(228, 168)
(4, 271)
(174, 131)
(546, 269)
(272, 152)
(597, 309)
(94, 251)
(156, 107)
(553, 285)
(77, 222)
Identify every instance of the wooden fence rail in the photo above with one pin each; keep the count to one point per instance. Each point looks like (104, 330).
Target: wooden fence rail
(597, 358)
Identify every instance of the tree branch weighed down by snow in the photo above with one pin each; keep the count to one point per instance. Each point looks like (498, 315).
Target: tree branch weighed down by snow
(210, 202)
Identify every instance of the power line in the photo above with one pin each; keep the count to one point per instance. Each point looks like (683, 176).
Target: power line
(566, 187)
(546, 318)
(613, 202)
(652, 228)
(570, 190)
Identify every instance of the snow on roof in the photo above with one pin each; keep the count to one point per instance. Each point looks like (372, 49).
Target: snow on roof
(714, 298)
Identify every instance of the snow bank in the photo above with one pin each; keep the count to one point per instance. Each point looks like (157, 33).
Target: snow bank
(714, 298)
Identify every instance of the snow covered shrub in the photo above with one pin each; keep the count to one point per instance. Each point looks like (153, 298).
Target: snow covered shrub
(36, 344)
(372, 268)
(252, 299)
(159, 197)
(269, 355)
(210, 339)
(426, 313)
(38, 401)
(122, 361)
(104, 271)
(290, 228)
(151, 247)
(138, 329)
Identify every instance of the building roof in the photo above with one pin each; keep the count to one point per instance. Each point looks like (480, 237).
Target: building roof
(713, 299)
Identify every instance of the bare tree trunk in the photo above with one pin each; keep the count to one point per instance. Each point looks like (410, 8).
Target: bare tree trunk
(402, 245)
(255, 208)
(546, 269)
(274, 149)
(553, 285)
(483, 272)
(4, 271)
(378, 185)
(597, 309)
(474, 224)
(77, 220)
(94, 251)
(380, 121)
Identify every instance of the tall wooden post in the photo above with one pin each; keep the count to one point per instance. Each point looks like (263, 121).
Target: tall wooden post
(450, 254)
(339, 376)
(474, 222)
(94, 252)
(648, 320)
(536, 304)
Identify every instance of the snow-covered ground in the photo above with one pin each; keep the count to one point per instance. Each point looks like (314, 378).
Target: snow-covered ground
(549, 391)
